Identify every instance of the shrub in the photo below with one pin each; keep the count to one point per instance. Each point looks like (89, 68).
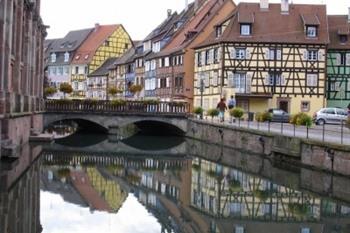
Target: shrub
(118, 102)
(63, 172)
(135, 88)
(298, 209)
(113, 91)
(151, 102)
(266, 116)
(198, 110)
(258, 116)
(237, 113)
(213, 112)
(301, 119)
(262, 195)
(63, 101)
(66, 88)
(49, 91)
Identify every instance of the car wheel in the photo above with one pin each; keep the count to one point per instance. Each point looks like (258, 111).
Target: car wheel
(320, 122)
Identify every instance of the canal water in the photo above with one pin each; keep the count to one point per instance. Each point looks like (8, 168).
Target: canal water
(164, 185)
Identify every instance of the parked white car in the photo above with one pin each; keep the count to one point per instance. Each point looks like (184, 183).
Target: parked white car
(330, 116)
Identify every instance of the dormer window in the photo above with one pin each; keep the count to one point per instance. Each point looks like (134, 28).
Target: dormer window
(246, 30)
(343, 39)
(218, 31)
(311, 31)
(66, 57)
(53, 57)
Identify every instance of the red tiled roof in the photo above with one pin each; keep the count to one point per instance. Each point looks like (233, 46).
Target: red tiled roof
(338, 25)
(87, 50)
(272, 26)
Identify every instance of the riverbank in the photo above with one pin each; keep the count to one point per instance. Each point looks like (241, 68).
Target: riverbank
(325, 156)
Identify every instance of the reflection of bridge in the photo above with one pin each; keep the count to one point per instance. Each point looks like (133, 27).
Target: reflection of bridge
(113, 115)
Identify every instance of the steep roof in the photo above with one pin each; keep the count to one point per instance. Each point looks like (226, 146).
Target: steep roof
(338, 25)
(125, 58)
(194, 27)
(71, 41)
(273, 26)
(85, 52)
(103, 70)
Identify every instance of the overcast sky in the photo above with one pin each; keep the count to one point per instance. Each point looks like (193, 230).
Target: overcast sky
(139, 17)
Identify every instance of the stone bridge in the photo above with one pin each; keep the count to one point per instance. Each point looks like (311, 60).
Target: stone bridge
(112, 115)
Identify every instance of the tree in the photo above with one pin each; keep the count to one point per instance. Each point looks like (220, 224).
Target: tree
(66, 88)
(135, 88)
(113, 91)
(49, 91)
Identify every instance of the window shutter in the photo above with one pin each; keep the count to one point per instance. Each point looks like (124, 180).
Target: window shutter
(247, 54)
(168, 82)
(196, 60)
(219, 54)
(207, 80)
(203, 58)
(283, 80)
(211, 56)
(232, 53)
(348, 59)
(230, 79)
(320, 55)
(267, 79)
(338, 59)
(248, 83)
(279, 54)
(267, 54)
(158, 83)
(306, 53)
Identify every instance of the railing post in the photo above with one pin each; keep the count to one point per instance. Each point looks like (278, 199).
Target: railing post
(323, 131)
(342, 132)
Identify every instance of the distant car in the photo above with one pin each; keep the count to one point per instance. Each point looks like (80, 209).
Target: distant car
(279, 115)
(330, 116)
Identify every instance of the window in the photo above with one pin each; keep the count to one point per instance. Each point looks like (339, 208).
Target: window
(240, 53)
(179, 82)
(207, 55)
(273, 54)
(274, 79)
(312, 55)
(60, 70)
(216, 55)
(53, 57)
(66, 57)
(199, 59)
(329, 111)
(66, 70)
(147, 66)
(166, 62)
(305, 106)
(106, 43)
(153, 64)
(54, 70)
(239, 229)
(218, 31)
(76, 70)
(342, 59)
(311, 80)
(86, 70)
(343, 39)
(245, 29)
(305, 230)
(311, 31)
(76, 86)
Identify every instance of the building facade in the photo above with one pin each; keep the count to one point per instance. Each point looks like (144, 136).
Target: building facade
(105, 41)
(264, 60)
(60, 56)
(22, 34)
(338, 61)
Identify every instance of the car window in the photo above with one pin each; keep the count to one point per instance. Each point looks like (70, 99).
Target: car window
(342, 112)
(329, 111)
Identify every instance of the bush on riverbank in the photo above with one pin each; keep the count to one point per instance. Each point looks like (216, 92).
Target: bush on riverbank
(301, 119)
(237, 113)
(262, 117)
(213, 113)
(198, 111)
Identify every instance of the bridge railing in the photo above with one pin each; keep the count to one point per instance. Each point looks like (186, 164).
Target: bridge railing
(102, 106)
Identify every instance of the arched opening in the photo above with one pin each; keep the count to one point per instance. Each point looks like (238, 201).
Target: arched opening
(158, 128)
(82, 126)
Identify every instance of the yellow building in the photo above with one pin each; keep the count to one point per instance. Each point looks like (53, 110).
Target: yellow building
(104, 42)
(267, 56)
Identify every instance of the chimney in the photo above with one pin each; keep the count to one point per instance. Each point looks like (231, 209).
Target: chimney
(285, 6)
(97, 25)
(264, 5)
(169, 12)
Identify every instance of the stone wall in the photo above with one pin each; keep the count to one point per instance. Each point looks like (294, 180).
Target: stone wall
(322, 156)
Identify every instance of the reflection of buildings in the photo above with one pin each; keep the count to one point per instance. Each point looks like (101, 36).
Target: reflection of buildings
(241, 202)
(19, 193)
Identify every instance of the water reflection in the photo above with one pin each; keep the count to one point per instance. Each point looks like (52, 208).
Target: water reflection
(220, 192)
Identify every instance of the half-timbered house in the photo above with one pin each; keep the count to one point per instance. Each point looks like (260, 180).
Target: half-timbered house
(267, 56)
(338, 61)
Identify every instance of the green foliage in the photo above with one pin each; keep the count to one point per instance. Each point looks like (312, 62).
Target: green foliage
(63, 173)
(237, 113)
(66, 88)
(261, 194)
(63, 101)
(135, 88)
(262, 117)
(211, 173)
(49, 91)
(213, 112)
(196, 167)
(301, 119)
(198, 110)
(297, 209)
(90, 101)
(118, 102)
(114, 90)
(177, 104)
(235, 186)
(151, 102)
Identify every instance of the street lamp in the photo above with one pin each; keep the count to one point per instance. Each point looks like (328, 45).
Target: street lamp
(201, 89)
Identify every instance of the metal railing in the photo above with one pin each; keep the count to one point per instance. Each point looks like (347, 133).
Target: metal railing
(122, 107)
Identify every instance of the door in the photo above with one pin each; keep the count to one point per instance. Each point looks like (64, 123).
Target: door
(283, 105)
